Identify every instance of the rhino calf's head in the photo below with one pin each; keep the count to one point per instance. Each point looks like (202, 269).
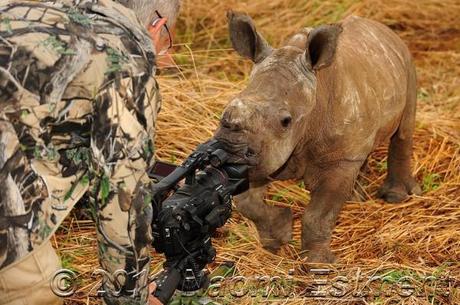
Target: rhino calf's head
(266, 121)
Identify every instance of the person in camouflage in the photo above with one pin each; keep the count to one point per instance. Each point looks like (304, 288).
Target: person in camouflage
(78, 104)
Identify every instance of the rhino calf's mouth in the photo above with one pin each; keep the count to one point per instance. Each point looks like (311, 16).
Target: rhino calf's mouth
(240, 152)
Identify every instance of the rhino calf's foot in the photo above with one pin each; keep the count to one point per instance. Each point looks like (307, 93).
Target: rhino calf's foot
(274, 224)
(319, 253)
(275, 231)
(399, 183)
(394, 190)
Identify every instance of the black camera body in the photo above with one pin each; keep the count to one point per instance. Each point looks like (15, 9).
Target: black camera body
(186, 216)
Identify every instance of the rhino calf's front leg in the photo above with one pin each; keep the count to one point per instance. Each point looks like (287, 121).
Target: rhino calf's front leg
(332, 188)
(274, 224)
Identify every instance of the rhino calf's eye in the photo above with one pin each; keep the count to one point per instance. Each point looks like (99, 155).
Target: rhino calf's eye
(286, 121)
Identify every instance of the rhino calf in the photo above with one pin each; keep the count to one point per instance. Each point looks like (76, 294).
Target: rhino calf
(314, 109)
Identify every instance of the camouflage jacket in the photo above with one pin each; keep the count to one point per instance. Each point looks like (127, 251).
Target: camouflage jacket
(78, 103)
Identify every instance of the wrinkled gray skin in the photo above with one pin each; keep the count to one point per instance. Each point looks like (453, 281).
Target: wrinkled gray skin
(314, 109)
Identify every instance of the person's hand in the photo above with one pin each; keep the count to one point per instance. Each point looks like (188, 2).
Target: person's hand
(152, 299)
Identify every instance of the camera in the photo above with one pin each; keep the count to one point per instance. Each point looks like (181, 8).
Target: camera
(185, 216)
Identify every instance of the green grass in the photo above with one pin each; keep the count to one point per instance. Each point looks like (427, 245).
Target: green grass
(431, 182)
(382, 166)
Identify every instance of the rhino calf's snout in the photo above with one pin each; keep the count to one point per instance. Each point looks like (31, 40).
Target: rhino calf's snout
(235, 116)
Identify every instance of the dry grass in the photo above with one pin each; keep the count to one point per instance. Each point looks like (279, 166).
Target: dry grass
(418, 237)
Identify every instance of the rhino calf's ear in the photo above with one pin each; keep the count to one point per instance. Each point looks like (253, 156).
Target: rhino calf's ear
(321, 45)
(245, 39)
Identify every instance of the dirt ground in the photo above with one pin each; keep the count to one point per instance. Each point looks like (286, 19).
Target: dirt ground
(417, 239)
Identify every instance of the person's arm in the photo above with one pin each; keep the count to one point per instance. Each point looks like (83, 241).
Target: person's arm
(121, 150)
(122, 137)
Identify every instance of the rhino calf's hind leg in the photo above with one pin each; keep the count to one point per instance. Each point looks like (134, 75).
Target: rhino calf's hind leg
(274, 224)
(333, 188)
(399, 182)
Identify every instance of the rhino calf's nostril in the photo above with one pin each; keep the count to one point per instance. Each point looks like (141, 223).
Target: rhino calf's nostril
(236, 126)
(233, 125)
(286, 121)
(250, 153)
(224, 123)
